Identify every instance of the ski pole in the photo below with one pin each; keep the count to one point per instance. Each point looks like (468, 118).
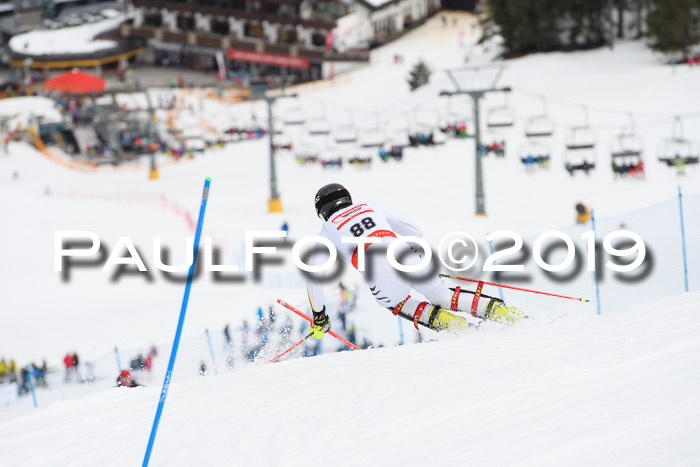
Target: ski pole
(289, 349)
(514, 288)
(308, 318)
(180, 323)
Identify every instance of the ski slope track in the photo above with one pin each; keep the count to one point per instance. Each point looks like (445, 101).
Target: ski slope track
(617, 389)
(622, 388)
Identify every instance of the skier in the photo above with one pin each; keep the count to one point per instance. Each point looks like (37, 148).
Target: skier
(343, 218)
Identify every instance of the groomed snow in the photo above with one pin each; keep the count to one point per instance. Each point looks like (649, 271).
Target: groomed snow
(612, 390)
(585, 390)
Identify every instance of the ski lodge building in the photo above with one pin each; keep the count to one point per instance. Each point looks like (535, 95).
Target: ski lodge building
(269, 37)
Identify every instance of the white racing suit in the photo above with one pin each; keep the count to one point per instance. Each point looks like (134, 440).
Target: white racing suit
(390, 287)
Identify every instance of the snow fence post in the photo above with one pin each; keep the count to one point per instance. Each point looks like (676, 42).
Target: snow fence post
(31, 385)
(211, 351)
(685, 256)
(595, 265)
(181, 321)
(498, 278)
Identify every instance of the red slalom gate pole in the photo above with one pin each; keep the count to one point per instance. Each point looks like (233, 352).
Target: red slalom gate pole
(308, 318)
(514, 288)
(288, 350)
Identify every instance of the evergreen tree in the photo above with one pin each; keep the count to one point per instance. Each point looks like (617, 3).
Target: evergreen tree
(674, 26)
(419, 75)
(544, 25)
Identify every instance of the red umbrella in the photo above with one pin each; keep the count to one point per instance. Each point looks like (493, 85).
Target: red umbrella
(75, 81)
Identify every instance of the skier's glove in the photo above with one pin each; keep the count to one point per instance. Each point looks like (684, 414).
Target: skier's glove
(322, 323)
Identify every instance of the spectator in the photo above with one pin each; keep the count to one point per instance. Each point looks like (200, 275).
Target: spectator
(68, 362)
(227, 336)
(24, 384)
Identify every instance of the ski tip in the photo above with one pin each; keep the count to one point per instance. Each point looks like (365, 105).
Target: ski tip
(208, 179)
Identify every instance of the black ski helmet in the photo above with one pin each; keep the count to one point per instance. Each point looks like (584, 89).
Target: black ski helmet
(330, 198)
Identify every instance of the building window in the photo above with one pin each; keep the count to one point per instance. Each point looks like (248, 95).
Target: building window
(287, 10)
(318, 39)
(253, 7)
(185, 22)
(253, 30)
(153, 19)
(287, 36)
(220, 26)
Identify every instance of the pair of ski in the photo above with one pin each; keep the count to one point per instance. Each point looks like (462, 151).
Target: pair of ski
(310, 320)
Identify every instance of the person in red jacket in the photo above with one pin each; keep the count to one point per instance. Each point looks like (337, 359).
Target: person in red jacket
(68, 362)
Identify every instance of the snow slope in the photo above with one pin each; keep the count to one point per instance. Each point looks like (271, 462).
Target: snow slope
(611, 390)
(44, 317)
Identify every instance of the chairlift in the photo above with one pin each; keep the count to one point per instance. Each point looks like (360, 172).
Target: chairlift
(457, 124)
(539, 126)
(581, 136)
(626, 152)
(580, 154)
(372, 137)
(535, 154)
(319, 125)
(501, 116)
(276, 126)
(677, 150)
(294, 116)
(346, 133)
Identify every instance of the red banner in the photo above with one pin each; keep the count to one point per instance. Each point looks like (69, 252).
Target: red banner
(267, 59)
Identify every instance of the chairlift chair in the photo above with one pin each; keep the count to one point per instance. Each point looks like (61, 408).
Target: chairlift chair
(580, 154)
(294, 116)
(535, 154)
(676, 149)
(500, 117)
(539, 126)
(372, 137)
(319, 126)
(345, 134)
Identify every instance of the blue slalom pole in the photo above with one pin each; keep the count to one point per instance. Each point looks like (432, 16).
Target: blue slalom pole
(685, 256)
(119, 360)
(181, 321)
(31, 384)
(500, 290)
(400, 330)
(211, 351)
(595, 265)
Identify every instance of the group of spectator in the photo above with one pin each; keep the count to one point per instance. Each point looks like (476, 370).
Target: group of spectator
(10, 373)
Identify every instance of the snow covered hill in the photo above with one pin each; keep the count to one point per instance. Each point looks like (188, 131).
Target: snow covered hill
(616, 389)
(611, 390)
